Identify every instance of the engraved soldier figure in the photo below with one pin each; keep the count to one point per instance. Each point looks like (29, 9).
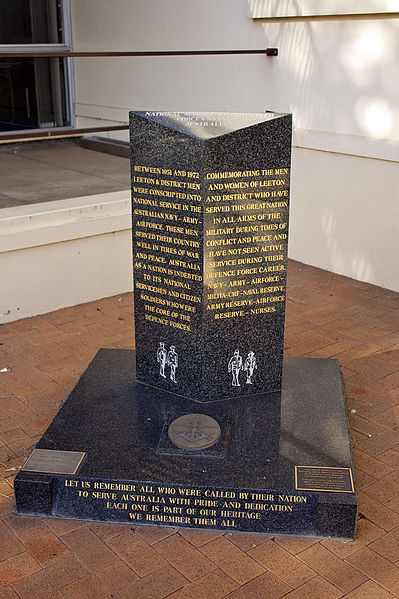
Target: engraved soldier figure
(161, 358)
(172, 362)
(249, 366)
(235, 365)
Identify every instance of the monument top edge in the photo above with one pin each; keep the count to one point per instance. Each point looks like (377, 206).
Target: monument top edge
(207, 125)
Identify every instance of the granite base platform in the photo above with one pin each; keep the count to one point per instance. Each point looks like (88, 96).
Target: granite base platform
(283, 463)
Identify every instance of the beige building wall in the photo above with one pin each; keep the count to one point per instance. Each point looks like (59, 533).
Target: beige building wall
(337, 74)
(64, 253)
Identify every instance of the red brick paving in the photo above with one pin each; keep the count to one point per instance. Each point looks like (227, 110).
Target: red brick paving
(327, 316)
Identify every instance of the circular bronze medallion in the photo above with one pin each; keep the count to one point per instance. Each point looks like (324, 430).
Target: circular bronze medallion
(194, 431)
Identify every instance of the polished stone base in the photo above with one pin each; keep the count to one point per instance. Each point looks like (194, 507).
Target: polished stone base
(282, 465)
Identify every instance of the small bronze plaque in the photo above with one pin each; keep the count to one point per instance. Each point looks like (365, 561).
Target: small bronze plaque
(194, 431)
(54, 461)
(324, 478)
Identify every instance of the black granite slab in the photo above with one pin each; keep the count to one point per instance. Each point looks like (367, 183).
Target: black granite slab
(210, 199)
(250, 486)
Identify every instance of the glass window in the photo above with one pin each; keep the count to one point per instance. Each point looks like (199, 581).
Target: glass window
(34, 91)
(27, 22)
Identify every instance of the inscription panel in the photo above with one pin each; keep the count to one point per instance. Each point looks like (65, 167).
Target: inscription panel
(324, 478)
(167, 225)
(54, 461)
(245, 257)
(179, 505)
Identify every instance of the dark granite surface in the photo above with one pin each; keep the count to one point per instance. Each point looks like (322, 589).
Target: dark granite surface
(210, 197)
(119, 424)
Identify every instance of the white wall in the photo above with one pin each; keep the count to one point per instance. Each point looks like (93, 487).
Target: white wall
(68, 252)
(345, 215)
(64, 253)
(337, 75)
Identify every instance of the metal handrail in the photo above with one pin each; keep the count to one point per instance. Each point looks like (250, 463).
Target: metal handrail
(59, 132)
(65, 54)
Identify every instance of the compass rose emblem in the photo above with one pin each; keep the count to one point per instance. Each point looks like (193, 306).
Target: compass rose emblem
(194, 431)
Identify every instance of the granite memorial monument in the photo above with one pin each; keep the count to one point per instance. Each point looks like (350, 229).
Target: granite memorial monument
(205, 425)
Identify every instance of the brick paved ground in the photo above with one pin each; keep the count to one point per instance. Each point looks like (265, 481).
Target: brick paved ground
(40, 558)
